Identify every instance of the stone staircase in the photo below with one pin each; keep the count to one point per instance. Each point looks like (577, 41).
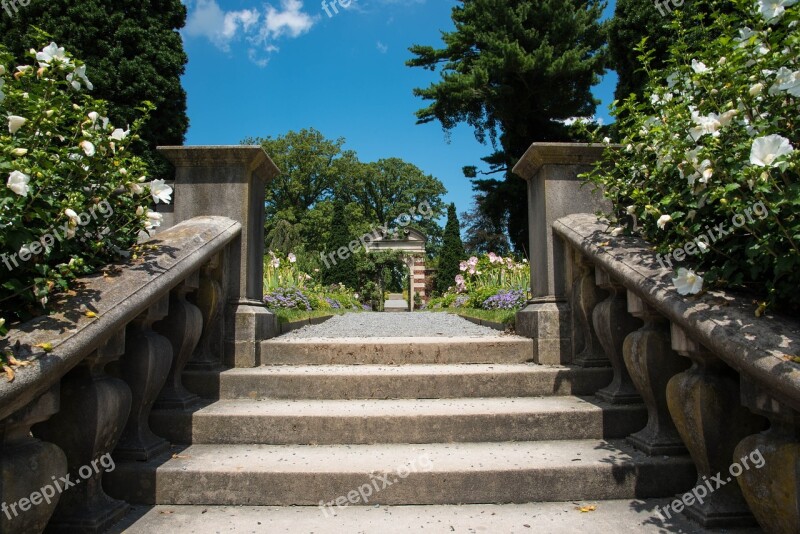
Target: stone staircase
(420, 421)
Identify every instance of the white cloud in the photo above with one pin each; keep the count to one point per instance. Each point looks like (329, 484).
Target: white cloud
(382, 48)
(259, 27)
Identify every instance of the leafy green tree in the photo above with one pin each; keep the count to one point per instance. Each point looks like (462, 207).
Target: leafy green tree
(317, 171)
(391, 188)
(133, 53)
(452, 252)
(637, 20)
(513, 70)
(342, 270)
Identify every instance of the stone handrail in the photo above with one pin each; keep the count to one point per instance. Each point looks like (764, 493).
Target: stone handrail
(716, 380)
(96, 371)
(724, 324)
(115, 300)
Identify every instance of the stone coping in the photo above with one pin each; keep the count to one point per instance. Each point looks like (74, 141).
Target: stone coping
(116, 297)
(252, 157)
(723, 323)
(541, 154)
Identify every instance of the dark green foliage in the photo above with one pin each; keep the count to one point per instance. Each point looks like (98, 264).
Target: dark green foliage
(513, 69)
(452, 252)
(133, 53)
(317, 171)
(342, 270)
(482, 233)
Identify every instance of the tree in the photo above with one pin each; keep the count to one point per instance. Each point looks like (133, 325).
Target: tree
(342, 270)
(452, 252)
(483, 235)
(133, 53)
(311, 167)
(513, 69)
(316, 171)
(633, 21)
(391, 188)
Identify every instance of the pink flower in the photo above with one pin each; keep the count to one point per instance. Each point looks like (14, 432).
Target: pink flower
(462, 266)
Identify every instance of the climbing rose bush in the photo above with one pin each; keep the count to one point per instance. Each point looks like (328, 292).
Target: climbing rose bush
(715, 141)
(72, 196)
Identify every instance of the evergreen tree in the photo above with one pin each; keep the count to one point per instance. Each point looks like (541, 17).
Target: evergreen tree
(452, 252)
(133, 53)
(635, 20)
(513, 70)
(342, 269)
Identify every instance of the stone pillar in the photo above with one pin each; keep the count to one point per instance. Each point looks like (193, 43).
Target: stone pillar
(705, 406)
(231, 181)
(771, 483)
(554, 191)
(144, 366)
(651, 362)
(613, 323)
(30, 469)
(94, 409)
(182, 327)
(583, 297)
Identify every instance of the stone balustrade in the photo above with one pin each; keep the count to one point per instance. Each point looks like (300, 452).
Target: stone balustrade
(94, 378)
(716, 380)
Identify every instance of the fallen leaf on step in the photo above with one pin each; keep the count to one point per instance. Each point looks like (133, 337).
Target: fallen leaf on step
(9, 373)
(584, 509)
(47, 347)
(179, 456)
(789, 357)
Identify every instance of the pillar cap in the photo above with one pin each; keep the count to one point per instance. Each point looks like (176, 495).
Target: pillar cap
(540, 154)
(252, 157)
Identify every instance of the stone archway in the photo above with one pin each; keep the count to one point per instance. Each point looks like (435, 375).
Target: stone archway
(412, 243)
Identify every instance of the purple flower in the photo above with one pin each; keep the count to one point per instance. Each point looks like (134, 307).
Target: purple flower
(505, 300)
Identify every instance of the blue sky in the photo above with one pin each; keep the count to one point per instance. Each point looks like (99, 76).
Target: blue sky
(259, 69)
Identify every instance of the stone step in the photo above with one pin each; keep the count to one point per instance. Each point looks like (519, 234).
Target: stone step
(453, 473)
(331, 422)
(403, 382)
(618, 517)
(396, 350)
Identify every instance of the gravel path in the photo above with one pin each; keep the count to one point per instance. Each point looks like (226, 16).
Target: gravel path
(416, 324)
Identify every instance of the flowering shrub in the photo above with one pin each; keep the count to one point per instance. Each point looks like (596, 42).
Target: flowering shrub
(491, 270)
(716, 136)
(72, 196)
(288, 287)
(282, 272)
(487, 282)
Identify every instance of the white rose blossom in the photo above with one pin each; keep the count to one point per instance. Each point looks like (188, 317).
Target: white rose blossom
(74, 219)
(79, 75)
(160, 192)
(18, 183)
(15, 122)
(119, 134)
(699, 67)
(768, 149)
(663, 220)
(773, 10)
(153, 220)
(88, 148)
(51, 52)
(786, 80)
(687, 282)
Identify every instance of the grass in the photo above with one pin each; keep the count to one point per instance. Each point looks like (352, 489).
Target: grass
(506, 317)
(290, 316)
